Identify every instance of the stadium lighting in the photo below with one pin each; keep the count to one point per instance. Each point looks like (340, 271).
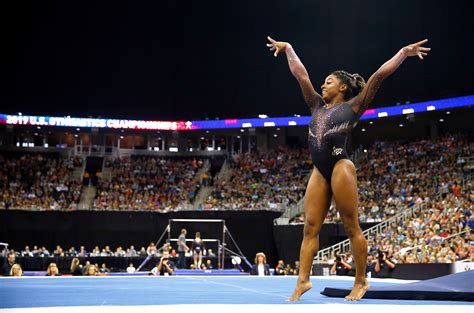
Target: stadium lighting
(262, 116)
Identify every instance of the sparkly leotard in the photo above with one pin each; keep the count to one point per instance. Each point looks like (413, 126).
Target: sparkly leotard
(328, 131)
(330, 127)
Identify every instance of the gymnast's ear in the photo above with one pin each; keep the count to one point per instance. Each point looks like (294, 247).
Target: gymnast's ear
(343, 87)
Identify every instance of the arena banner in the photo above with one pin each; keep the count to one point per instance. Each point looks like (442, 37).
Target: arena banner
(296, 120)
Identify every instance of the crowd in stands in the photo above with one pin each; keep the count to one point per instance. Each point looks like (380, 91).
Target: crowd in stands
(148, 183)
(262, 180)
(393, 176)
(39, 181)
(441, 233)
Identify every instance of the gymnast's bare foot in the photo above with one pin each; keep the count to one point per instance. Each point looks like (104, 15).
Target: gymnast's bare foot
(300, 289)
(358, 291)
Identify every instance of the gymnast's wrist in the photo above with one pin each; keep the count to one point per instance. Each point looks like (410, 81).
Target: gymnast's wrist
(288, 47)
(404, 51)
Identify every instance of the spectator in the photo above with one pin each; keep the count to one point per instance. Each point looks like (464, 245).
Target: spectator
(209, 265)
(280, 268)
(16, 271)
(26, 252)
(91, 270)
(104, 269)
(131, 268)
(52, 270)
(260, 268)
(151, 249)
(76, 267)
(9, 262)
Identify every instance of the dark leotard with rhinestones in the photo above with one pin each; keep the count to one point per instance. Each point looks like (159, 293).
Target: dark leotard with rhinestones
(328, 131)
(330, 127)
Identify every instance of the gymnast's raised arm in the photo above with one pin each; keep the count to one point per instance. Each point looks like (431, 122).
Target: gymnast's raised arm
(362, 101)
(311, 97)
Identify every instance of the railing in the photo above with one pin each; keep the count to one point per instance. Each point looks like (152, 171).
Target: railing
(418, 246)
(345, 246)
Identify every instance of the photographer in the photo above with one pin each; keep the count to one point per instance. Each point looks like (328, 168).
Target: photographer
(383, 265)
(165, 267)
(341, 267)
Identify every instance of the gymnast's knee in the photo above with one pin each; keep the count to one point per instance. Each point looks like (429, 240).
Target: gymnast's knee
(311, 229)
(352, 229)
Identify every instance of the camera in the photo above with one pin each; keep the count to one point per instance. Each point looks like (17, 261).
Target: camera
(381, 255)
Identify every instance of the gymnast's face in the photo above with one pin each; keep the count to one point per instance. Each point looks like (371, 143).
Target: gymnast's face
(331, 88)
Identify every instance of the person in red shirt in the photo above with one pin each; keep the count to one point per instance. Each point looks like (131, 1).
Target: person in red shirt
(456, 189)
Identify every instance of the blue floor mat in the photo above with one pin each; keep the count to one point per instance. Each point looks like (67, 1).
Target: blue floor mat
(131, 291)
(454, 287)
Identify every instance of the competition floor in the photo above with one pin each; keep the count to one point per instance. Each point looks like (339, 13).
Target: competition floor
(198, 294)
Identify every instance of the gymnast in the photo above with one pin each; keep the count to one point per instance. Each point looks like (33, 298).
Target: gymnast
(334, 113)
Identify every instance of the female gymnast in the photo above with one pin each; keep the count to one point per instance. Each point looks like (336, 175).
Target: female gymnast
(197, 247)
(344, 98)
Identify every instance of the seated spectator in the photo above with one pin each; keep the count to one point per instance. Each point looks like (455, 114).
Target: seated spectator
(52, 270)
(82, 252)
(280, 268)
(26, 252)
(260, 268)
(131, 268)
(72, 251)
(151, 249)
(76, 267)
(209, 265)
(9, 262)
(91, 270)
(104, 269)
(142, 252)
(58, 251)
(16, 270)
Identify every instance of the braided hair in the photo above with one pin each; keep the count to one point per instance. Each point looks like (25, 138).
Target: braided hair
(354, 82)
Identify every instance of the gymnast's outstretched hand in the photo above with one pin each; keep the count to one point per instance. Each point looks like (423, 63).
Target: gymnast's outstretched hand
(277, 46)
(415, 49)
